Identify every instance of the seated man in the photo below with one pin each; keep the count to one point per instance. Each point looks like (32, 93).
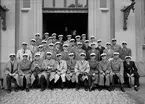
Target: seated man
(82, 70)
(49, 65)
(25, 72)
(130, 71)
(70, 74)
(36, 67)
(117, 71)
(61, 68)
(94, 70)
(11, 73)
(104, 72)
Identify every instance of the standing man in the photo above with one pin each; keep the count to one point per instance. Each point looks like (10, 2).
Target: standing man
(51, 49)
(54, 38)
(61, 68)
(125, 51)
(92, 40)
(104, 72)
(33, 48)
(84, 37)
(23, 51)
(79, 50)
(86, 47)
(25, 72)
(94, 50)
(46, 35)
(41, 52)
(115, 46)
(108, 51)
(68, 39)
(130, 72)
(45, 46)
(65, 52)
(38, 40)
(78, 38)
(11, 73)
(72, 45)
(60, 39)
(100, 47)
(117, 71)
(82, 70)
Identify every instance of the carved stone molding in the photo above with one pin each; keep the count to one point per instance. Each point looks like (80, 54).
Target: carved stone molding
(3, 11)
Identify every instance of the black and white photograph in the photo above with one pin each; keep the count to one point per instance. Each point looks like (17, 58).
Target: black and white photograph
(72, 51)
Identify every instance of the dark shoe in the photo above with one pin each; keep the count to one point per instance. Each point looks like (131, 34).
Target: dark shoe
(16, 90)
(42, 89)
(109, 89)
(136, 88)
(122, 89)
(62, 85)
(9, 91)
(99, 89)
(129, 86)
(27, 90)
(86, 89)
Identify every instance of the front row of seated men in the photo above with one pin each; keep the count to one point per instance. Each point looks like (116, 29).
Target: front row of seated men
(46, 73)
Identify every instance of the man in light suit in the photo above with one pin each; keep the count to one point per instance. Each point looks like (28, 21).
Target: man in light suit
(24, 50)
(48, 69)
(38, 39)
(115, 46)
(61, 68)
(82, 70)
(33, 48)
(11, 73)
(25, 72)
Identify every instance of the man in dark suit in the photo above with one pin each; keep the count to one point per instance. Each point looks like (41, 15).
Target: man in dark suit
(100, 47)
(86, 47)
(130, 71)
(124, 51)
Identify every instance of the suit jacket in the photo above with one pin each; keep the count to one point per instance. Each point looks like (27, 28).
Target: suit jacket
(49, 64)
(94, 66)
(82, 66)
(38, 42)
(77, 53)
(87, 51)
(96, 52)
(117, 66)
(24, 66)
(129, 68)
(37, 63)
(125, 52)
(104, 66)
(100, 49)
(61, 66)
(71, 65)
(116, 48)
(21, 52)
(109, 53)
(65, 55)
(8, 67)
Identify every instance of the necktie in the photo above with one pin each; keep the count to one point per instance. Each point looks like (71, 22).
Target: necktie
(12, 67)
(24, 51)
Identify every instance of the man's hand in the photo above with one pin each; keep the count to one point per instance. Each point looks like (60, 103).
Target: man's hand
(132, 75)
(128, 75)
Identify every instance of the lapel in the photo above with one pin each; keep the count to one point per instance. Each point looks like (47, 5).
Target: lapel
(9, 65)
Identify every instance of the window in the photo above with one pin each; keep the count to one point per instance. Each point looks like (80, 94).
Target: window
(59, 3)
(71, 3)
(82, 3)
(48, 3)
(103, 3)
(26, 3)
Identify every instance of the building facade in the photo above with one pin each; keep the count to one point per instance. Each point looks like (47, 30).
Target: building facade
(103, 19)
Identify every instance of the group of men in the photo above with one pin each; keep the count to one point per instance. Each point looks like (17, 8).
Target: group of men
(78, 61)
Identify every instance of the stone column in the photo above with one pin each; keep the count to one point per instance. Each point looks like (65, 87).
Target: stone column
(37, 16)
(140, 29)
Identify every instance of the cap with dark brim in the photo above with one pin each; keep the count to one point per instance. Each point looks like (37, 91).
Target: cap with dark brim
(127, 57)
(92, 54)
(25, 55)
(114, 39)
(71, 54)
(99, 41)
(33, 40)
(116, 53)
(82, 54)
(48, 53)
(59, 54)
(103, 54)
(12, 54)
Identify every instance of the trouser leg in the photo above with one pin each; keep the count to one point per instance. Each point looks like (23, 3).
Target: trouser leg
(107, 80)
(101, 80)
(136, 80)
(42, 82)
(8, 80)
(79, 81)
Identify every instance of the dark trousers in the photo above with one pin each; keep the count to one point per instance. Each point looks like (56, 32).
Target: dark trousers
(9, 80)
(42, 82)
(136, 79)
(86, 83)
(116, 80)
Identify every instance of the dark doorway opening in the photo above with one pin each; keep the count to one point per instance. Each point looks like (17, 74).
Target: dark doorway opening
(65, 23)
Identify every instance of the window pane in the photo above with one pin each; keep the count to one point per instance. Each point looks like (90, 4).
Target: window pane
(82, 3)
(103, 3)
(48, 3)
(59, 3)
(26, 3)
(71, 3)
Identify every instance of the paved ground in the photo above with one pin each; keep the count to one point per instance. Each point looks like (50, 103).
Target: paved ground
(75, 97)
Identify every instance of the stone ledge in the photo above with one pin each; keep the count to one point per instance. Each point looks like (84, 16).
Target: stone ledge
(104, 9)
(25, 9)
